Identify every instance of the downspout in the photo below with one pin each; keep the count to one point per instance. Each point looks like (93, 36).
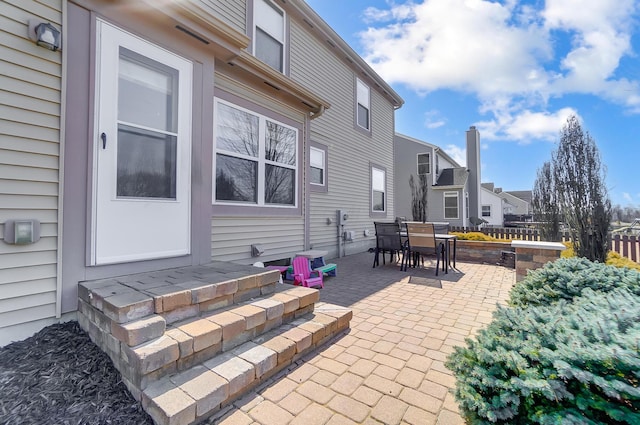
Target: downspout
(61, 157)
(319, 113)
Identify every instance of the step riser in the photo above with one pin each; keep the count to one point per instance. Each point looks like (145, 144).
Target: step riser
(245, 381)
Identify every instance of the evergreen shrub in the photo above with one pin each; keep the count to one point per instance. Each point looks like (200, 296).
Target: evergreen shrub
(567, 278)
(563, 363)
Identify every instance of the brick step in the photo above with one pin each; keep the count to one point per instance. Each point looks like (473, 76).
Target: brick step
(201, 390)
(195, 340)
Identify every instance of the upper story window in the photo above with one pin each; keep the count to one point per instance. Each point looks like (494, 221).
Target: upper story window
(363, 109)
(256, 158)
(451, 205)
(486, 210)
(378, 189)
(317, 163)
(424, 163)
(437, 165)
(269, 34)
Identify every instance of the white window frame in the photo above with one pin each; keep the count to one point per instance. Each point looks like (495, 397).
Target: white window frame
(483, 210)
(444, 204)
(375, 169)
(260, 159)
(322, 166)
(428, 163)
(363, 98)
(269, 29)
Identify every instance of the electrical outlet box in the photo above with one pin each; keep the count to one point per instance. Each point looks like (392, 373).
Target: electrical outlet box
(341, 217)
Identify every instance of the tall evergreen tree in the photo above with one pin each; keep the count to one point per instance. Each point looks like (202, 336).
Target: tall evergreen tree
(577, 180)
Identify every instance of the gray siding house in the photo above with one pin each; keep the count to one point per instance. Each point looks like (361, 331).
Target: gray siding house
(166, 134)
(453, 192)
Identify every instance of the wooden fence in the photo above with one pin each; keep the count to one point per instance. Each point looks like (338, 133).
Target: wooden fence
(625, 245)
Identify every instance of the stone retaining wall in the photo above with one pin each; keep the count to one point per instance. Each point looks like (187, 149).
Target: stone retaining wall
(481, 252)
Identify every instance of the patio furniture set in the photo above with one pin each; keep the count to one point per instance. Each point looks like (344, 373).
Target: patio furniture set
(412, 241)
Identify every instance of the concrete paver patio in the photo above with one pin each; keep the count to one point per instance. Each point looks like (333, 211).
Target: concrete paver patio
(389, 368)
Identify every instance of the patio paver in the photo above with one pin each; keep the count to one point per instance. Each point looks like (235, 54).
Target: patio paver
(390, 367)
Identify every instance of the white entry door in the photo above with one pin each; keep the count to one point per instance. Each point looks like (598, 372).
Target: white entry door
(142, 163)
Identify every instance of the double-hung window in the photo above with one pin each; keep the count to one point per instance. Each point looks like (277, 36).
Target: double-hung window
(486, 210)
(269, 34)
(256, 158)
(424, 164)
(317, 164)
(363, 109)
(378, 189)
(451, 205)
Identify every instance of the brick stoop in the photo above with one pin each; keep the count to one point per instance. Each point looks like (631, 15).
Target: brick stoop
(188, 341)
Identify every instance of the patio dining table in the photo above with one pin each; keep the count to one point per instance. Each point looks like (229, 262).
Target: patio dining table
(447, 239)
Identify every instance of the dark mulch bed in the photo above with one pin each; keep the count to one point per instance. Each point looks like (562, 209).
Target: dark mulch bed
(58, 376)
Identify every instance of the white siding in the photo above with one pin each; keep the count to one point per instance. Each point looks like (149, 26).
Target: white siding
(30, 81)
(489, 198)
(349, 151)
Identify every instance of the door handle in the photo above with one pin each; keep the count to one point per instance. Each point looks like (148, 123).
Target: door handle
(103, 136)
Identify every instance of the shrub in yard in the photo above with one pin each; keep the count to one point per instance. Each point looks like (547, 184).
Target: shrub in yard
(476, 236)
(567, 278)
(617, 260)
(613, 258)
(565, 363)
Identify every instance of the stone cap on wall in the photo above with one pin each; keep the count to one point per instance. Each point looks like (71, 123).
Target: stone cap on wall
(556, 246)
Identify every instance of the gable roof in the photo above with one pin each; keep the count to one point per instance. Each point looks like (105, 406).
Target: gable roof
(511, 199)
(435, 148)
(452, 177)
(525, 195)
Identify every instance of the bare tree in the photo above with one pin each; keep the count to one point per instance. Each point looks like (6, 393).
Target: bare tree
(579, 185)
(419, 197)
(545, 204)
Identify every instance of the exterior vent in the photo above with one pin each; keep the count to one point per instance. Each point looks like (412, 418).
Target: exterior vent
(272, 86)
(192, 34)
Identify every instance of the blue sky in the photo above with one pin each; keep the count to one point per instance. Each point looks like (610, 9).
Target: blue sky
(514, 69)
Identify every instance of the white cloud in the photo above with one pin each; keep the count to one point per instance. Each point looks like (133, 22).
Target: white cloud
(508, 55)
(627, 197)
(458, 154)
(433, 119)
(526, 126)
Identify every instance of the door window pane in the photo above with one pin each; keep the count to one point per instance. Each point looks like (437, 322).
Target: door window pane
(237, 131)
(147, 92)
(279, 186)
(236, 179)
(146, 164)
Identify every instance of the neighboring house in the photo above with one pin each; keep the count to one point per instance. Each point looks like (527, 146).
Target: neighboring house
(166, 134)
(513, 204)
(492, 207)
(454, 193)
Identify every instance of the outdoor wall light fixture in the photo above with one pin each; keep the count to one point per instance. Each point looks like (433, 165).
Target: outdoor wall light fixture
(44, 34)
